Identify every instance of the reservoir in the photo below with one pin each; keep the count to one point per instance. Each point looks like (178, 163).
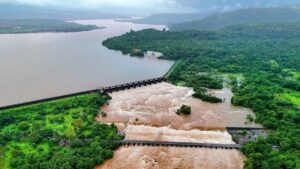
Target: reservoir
(42, 65)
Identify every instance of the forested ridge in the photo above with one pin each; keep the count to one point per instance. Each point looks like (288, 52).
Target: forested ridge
(41, 25)
(265, 57)
(239, 17)
(56, 134)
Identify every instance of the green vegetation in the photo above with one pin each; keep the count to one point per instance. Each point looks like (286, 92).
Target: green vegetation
(291, 96)
(184, 109)
(57, 134)
(266, 62)
(201, 94)
(240, 17)
(41, 25)
(250, 118)
(173, 46)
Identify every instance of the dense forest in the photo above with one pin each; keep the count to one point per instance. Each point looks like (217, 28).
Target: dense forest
(41, 25)
(56, 134)
(242, 16)
(266, 56)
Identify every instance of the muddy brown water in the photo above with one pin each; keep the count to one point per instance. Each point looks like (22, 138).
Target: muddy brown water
(156, 105)
(142, 132)
(173, 158)
(148, 113)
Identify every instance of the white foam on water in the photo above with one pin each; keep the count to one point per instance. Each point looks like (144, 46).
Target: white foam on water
(142, 132)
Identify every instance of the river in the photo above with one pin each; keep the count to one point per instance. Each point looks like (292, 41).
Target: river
(149, 113)
(156, 105)
(41, 65)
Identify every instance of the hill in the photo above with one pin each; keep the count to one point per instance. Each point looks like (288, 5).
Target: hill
(241, 17)
(8, 11)
(171, 18)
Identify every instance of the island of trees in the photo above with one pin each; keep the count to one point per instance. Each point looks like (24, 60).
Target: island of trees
(41, 25)
(263, 64)
(56, 134)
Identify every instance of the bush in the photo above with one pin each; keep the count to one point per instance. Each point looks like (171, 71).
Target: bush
(103, 114)
(184, 109)
(207, 98)
(250, 118)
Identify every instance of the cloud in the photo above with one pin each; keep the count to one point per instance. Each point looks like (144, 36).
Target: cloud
(234, 3)
(143, 7)
(30, 2)
(96, 3)
(157, 5)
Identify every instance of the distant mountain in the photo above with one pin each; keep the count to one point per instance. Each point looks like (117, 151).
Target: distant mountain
(8, 11)
(167, 19)
(241, 17)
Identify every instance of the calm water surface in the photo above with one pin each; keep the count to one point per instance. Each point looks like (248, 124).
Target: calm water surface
(41, 65)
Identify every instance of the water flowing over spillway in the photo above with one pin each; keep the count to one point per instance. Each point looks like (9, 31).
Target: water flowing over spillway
(156, 105)
(167, 134)
(149, 113)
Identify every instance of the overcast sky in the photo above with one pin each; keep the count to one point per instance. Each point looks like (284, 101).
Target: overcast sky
(155, 6)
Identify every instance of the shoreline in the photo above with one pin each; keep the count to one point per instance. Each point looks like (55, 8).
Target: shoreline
(33, 32)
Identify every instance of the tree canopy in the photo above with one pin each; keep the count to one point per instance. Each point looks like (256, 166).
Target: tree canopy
(266, 56)
(57, 134)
